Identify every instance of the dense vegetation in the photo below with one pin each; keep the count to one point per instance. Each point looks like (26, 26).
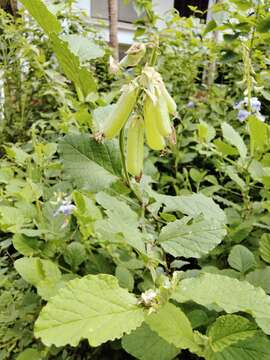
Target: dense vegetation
(98, 259)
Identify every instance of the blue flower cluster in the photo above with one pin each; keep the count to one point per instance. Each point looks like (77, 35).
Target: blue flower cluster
(243, 113)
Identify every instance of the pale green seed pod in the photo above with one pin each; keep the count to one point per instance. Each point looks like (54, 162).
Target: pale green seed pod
(154, 139)
(121, 113)
(172, 107)
(162, 116)
(135, 146)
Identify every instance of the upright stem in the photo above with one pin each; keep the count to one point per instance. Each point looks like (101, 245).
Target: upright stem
(113, 22)
(123, 157)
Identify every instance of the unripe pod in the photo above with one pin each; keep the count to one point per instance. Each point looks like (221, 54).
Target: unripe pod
(135, 146)
(163, 117)
(120, 115)
(154, 139)
(172, 107)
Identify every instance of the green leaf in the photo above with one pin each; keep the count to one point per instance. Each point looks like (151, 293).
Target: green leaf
(261, 278)
(43, 16)
(121, 220)
(124, 277)
(11, 219)
(229, 329)
(212, 25)
(43, 274)
(259, 136)
(145, 344)
(91, 165)
(84, 48)
(179, 238)
(93, 307)
(27, 246)
(70, 64)
(32, 354)
(241, 258)
(17, 154)
(227, 293)
(256, 348)
(194, 205)
(225, 148)
(233, 138)
(86, 213)
(264, 247)
(263, 25)
(173, 326)
(75, 254)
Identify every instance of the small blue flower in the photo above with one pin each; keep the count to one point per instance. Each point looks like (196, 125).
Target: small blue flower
(243, 115)
(255, 104)
(190, 105)
(66, 208)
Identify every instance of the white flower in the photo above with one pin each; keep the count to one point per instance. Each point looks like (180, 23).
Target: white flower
(66, 208)
(243, 115)
(148, 296)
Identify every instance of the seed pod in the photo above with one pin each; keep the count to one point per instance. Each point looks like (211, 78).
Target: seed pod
(135, 146)
(162, 116)
(154, 139)
(172, 107)
(120, 115)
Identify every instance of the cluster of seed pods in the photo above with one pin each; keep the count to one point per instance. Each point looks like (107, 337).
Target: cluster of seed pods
(147, 104)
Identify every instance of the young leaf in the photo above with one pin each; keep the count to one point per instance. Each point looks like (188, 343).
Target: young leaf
(94, 307)
(233, 138)
(229, 329)
(173, 326)
(91, 165)
(241, 258)
(145, 344)
(227, 293)
(179, 238)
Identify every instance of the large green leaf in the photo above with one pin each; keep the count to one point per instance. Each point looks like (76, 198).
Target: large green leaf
(93, 307)
(181, 238)
(145, 344)
(173, 326)
(42, 15)
(241, 258)
(229, 329)
(70, 64)
(83, 47)
(261, 278)
(256, 348)
(227, 293)
(121, 220)
(91, 165)
(233, 138)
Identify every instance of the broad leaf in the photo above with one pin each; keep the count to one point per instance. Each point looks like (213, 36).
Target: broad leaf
(241, 258)
(93, 307)
(83, 47)
(256, 348)
(233, 138)
(121, 220)
(145, 344)
(91, 165)
(259, 136)
(179, 238)
(173, 326)
(229, 329)
(227, 293)
(42, 15)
